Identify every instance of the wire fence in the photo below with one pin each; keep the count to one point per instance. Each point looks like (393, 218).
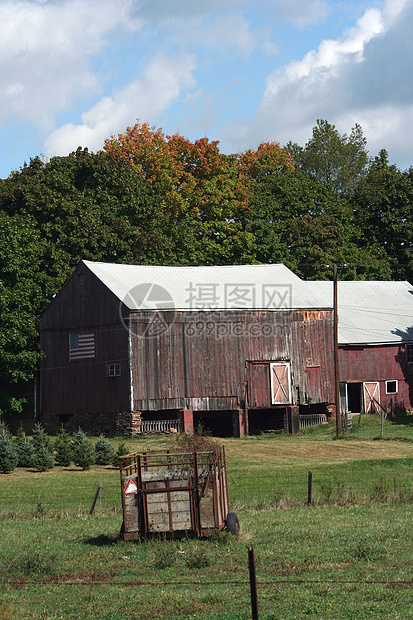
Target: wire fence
(383, 481)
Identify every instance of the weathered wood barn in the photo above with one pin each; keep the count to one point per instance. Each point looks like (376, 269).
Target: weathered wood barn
(375, 334)
(239, 349)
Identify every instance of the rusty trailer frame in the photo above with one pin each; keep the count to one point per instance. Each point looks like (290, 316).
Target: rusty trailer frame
(173, 493)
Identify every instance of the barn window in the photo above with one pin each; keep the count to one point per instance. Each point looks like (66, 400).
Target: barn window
(113, 370)
(392, 387)
(409, 353)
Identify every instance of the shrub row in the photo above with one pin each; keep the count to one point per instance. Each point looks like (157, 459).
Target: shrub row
(40, 452)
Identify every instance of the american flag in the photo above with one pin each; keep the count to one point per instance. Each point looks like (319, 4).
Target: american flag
(81, 346)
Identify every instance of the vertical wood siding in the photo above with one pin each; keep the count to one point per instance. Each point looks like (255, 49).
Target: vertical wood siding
(208, 360)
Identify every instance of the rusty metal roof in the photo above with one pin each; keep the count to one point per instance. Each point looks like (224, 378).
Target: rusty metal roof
(143, 287)
(375, 312)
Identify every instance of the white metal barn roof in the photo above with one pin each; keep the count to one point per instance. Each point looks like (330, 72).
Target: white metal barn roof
(370, 312)
(143, 287)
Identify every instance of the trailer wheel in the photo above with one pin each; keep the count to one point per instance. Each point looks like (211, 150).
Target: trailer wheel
(232, 523)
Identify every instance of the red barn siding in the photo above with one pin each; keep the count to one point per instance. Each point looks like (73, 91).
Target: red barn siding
(378, 363)
(202, 360)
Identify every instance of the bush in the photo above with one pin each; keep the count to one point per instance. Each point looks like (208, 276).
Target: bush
(64, 449)
(8, 458)
(199, 441)
(83, 451)
(104, 451)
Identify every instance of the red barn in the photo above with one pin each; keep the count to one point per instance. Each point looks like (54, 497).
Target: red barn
(375, 323)
(238, 349)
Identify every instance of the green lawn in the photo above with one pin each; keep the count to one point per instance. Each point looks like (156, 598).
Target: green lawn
(346, 556)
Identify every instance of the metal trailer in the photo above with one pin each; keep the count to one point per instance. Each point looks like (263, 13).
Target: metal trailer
(179, 493)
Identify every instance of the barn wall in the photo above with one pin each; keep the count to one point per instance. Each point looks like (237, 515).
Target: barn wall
(379, 363)
(200, 361)
(81, 392)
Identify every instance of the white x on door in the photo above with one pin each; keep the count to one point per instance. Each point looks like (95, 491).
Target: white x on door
(371, 393)
(280, 383)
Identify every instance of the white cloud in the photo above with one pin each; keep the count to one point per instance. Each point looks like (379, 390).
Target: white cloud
(363, 77)
(162, 82)
(45, 51)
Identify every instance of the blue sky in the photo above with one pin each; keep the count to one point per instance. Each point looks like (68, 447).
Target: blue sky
(74, 72)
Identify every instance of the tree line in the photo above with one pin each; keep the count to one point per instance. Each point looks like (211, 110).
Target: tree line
(149, 198)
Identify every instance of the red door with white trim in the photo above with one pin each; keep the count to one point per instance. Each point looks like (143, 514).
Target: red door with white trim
(371, 396)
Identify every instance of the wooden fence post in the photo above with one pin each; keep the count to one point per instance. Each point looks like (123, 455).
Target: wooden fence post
(310, 484)
(253, 583)
(96, 499)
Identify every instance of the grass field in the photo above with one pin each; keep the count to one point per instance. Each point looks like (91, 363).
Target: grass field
(348, 555)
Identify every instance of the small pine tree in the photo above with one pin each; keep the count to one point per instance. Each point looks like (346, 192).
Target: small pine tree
(24, 449)
(43, 451)
(104, 451)
(64, 449)
(8, 458)
(43, 458)
(40, 437)
(83, 450)
(122, 449)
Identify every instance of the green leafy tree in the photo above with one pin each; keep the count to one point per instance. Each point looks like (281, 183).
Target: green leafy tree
(383, 208)
(338, 160)
(22, 295)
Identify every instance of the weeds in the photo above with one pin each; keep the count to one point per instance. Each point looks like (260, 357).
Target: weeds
(165, 556)
(197, 559)
(362, 551)
(6, 611)
(199, 441)
(35, 564)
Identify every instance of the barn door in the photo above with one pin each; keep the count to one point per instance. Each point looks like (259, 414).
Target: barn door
(371, 396)
(280, 383)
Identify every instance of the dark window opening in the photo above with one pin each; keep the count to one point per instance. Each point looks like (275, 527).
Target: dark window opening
(391, 387)
(267, 420)
(217, 423)
(354, 397)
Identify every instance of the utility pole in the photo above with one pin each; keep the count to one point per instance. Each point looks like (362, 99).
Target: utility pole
(336, 366)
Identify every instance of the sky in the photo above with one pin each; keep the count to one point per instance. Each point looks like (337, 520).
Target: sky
(74, 72)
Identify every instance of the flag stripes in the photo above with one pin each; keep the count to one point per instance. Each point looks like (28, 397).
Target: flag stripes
(81, 346)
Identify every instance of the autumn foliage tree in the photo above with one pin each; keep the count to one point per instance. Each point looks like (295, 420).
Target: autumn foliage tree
(201, 197)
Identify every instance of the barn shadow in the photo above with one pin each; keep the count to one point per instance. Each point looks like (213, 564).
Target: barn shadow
(401, 357)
